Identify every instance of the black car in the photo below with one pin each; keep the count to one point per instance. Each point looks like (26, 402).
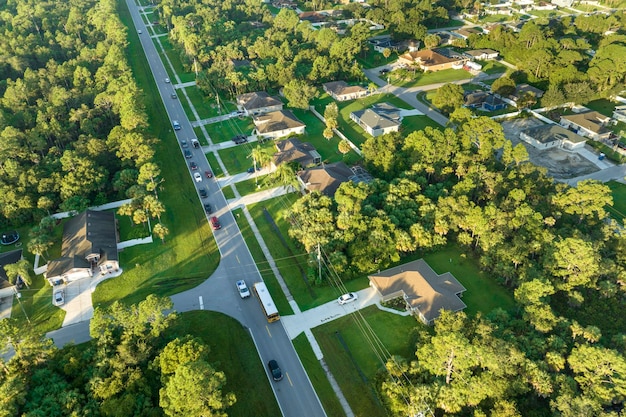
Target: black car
(239, 139)
(184, 143)
(277, 374)
(203, 193)
(188, 154)
(383, 71)
(207, 208)
(173, 95)
(193, 166)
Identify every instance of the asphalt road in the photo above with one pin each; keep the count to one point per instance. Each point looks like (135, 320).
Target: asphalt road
(295, 394)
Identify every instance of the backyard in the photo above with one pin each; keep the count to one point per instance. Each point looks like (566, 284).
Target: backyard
(618, 210)
(407, 79)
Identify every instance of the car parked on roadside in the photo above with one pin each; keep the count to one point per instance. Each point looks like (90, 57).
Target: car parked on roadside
(203, 193)
(173, 95)
(208, 174)
(347, 298)
(184, 143)
(195, 143)
(193, 166)
(244, 292)
(215, 223)
(197, 177)
(167, 80)
(59, 298)
(188, 154)
(208, 209)
(277, 374)
(176, 125)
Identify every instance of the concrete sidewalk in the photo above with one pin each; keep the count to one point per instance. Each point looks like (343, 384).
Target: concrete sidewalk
(258, 197)
(225, 145)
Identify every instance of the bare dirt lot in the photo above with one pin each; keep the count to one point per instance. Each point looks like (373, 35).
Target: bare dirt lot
(560, 164)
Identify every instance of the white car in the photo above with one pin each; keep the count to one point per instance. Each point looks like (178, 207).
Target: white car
(167, 80)
(139, 31)
(197, 177)
(244, 292)
(348, 298)
(59, 298)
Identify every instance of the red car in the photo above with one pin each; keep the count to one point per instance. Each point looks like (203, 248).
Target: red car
(215, 223)
(208, 174)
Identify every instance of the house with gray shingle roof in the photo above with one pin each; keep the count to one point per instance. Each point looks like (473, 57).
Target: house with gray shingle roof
(424, 291)
(278, 124)
(589, 124)
(89, 247)
(379, 119)
(292, 150)
(258, 103)
(550, 136)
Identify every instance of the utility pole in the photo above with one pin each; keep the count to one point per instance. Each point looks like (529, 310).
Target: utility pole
(319, 261)
(19, 296)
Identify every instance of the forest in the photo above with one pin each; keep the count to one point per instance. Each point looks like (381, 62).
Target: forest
(554, 246)
(72, 122)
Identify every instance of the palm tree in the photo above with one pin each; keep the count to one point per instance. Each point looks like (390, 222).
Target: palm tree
(285, 175)
(19, 269)
(260, 157)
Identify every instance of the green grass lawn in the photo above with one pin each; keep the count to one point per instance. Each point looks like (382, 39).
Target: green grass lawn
(603, 106)
(544, 13)
(496, 18)
(253, 185)
(224, 130)
(172, 55)
(391, 329)
(372, 59)
(217, 170)
(228, 193)
(316, 374)
(205, 106)
(493, 67)
(237, 158)
(190, 254)
(413, 123)
(431, 77)
(618, 210)
(232, 351)
(261, 262)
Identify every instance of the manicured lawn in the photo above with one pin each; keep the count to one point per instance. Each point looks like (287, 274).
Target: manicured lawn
(493, 67)
(436, 77)
(228, 193)
(253, 185)
(603, 106)
(205, 106)
(237, 159)
(217, 171)
(448, 24)
(393, 330)
(618, 211)
(373, 59)
(35, 305)
(263, 266)
(172, 55)
(232, 351)
(316, 374)
(189, 254)
(224, 130)
(495, 18)
(414, 123)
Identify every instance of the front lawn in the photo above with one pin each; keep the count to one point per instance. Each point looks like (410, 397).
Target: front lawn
(430, 77)
(237, 158)
(372, 59)
(232, 351)
(353, 363)
(603, 106)
(493, 67)
(205, 106)
(224, 130)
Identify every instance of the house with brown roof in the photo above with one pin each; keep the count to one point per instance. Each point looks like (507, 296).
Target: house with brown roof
(521, 89)
(292, 150)
(590, 124)
(341, 91)
(278, 124)
(482, 54)
(89, 246)
(550, 136)
(8, 258)
(431, 60)
(379, 119)
(258, 102)
(424, 291)
(325, 178)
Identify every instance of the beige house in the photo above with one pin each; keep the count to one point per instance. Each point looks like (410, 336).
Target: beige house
(89, 246)
(430, 60)
(341, 91)
(550, 136)
(258, 103)
(425, 292)
(278, 124)
(590, 124)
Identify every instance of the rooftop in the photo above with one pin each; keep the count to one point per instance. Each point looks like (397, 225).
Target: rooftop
(551, 133)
